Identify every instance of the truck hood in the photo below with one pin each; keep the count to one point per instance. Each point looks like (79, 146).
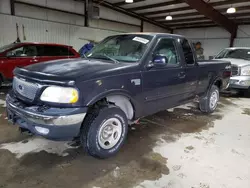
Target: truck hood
(75, 68)
(238, 62)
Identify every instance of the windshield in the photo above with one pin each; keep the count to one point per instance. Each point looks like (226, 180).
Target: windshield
(127, 48)
(234, 53)
(6, 47)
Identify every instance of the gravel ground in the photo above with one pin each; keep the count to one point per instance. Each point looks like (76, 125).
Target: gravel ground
(178, 148)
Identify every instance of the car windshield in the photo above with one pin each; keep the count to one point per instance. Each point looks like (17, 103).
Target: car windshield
(126, 48)
(6, 47)
(234, 53)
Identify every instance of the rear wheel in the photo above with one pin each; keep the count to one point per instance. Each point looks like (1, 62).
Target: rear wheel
(209, 103)
(104, 131)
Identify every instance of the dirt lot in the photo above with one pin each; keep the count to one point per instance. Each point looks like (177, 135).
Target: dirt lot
(177, 148)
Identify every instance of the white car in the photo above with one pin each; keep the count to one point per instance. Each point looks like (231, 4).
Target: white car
(240, 60)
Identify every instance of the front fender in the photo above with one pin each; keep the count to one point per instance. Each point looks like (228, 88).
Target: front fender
(95, 90)
(108, 93)
(135, 104)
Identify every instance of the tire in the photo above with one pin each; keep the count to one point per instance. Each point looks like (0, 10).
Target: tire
(97, 137)
(209, 103)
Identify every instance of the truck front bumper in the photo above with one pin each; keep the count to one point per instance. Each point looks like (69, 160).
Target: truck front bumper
(51, 123)
(239, 82)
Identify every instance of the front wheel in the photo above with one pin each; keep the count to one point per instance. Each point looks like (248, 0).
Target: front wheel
(209, 103)
(104, 131)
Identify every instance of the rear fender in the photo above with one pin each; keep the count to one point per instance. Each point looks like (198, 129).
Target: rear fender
(212, 82)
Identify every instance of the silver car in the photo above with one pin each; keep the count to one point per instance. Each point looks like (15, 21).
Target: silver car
(240, 60)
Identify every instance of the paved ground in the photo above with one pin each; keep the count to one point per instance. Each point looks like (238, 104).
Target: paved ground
(178, 148)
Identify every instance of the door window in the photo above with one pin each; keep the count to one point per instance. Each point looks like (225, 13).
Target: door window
(24, 51)
(167, 48)
(55, 51)
(188, 53)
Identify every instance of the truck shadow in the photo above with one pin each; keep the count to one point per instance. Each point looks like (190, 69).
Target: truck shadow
(241, 94)
(78, 168)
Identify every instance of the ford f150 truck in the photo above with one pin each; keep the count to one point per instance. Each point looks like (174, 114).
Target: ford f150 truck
(123, 78)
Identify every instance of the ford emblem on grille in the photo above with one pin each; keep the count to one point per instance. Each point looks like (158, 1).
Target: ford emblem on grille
(25, 88)
(20, 87)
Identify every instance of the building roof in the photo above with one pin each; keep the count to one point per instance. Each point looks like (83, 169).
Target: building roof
(183, 12)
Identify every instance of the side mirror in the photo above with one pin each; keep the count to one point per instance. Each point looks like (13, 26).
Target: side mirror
(159, 61)
(10, 54)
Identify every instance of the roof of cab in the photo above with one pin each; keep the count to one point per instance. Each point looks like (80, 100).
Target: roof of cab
(154, 34)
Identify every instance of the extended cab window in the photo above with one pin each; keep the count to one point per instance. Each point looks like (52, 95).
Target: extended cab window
(24, 51)
(167, 48)
(188, 53)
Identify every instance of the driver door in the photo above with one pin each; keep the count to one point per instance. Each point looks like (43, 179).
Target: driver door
(163, 86)
(20, 57)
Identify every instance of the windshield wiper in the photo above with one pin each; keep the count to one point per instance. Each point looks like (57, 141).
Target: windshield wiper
(106, 57)
(116, 61)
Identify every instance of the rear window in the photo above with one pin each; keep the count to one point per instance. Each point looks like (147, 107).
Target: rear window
(47, 50)
(187, 50)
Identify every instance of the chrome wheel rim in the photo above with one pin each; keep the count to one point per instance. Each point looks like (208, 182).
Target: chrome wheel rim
(214, 100)
(109, 133)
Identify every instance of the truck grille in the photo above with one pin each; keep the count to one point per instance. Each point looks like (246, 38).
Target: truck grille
(235, 70)
(25, 89)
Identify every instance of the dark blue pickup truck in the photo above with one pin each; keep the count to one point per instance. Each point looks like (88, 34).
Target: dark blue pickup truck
(125, 77)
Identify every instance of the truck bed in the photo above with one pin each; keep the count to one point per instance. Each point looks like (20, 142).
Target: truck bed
(204, 62)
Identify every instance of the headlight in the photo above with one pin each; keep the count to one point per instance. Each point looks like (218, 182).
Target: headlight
(245, 71)
(60, 95)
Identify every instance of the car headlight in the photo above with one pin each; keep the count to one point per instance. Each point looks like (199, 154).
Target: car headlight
(245, 71)
(60, 95)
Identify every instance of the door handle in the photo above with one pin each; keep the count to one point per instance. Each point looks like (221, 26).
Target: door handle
(34, 60)
(182, 75)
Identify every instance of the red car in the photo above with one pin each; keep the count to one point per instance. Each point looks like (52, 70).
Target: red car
(23, 54)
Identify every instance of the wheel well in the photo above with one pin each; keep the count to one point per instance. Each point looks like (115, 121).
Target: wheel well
(124, 103)
(218, 83)
(121, 101)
